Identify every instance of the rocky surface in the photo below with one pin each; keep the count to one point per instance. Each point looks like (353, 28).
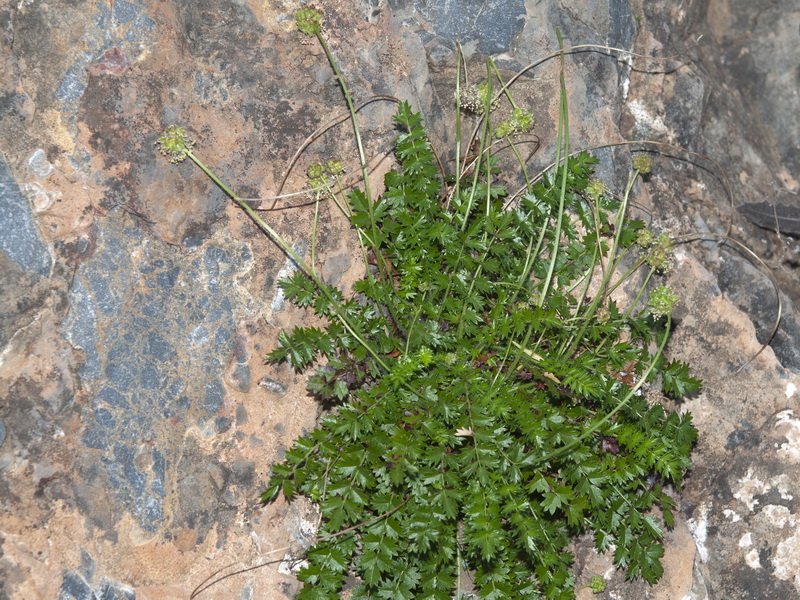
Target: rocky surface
(138, 421)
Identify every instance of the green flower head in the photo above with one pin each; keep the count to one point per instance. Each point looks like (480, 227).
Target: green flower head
(475, 98)
(662, 300)
(597, 585)
(643, 163)
(597, 189)
(321, 176)
(309, 20)
(661, 253)
(175, 143)
(520, 121)
(645, 238)
(335, 168)
(316, 171)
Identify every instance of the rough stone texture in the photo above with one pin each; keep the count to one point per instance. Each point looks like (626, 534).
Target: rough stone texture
(138, 421)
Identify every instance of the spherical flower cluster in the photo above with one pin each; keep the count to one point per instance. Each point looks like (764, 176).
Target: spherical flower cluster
(661, 254)
(475, 97)
(662, 300)
(645, 237)
(321, 176)
(643, 163)
(520, 121)
(596, 190)
(175, 143)
(598, 584)
(309, 20)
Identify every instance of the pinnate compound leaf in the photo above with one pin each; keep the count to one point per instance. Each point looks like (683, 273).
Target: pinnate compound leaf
(677, 382)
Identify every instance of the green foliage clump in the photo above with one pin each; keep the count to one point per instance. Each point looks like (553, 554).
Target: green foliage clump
(495, 411)
(486, 391)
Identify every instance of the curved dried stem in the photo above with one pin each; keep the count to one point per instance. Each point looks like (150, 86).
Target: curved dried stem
(209, 581)
(763, 267)
(720, 171)
(593, 48)
(575, 50)
(341, 118)
(699, 235)
(338, 120)
(347, 183)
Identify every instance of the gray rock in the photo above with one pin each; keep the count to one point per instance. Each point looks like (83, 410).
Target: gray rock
(274, 386)
(72, 86)
(157, 359)
(113, 590)
(126, 330)
(334, 267)
(242, 377)
(19, 237)
(747, 526)
(39, 165)
(492, 25)
(74, 587)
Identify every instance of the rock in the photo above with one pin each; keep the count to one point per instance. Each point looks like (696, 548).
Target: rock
(334, 267)
(276, 387)
(680, 580)
(490, 27)
(133, 294)
(19, 238)
(748, 525)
